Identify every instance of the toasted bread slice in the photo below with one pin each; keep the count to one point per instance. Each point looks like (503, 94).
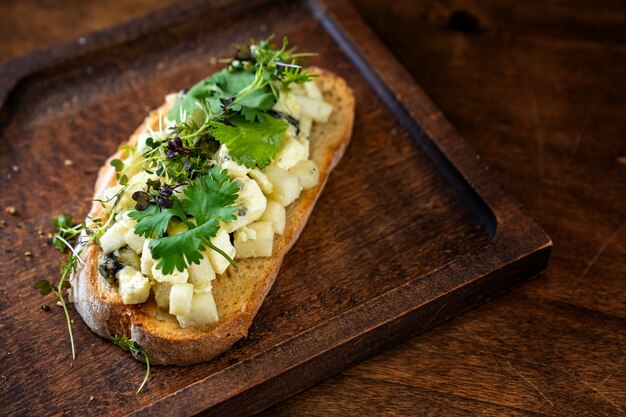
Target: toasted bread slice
(238, 293)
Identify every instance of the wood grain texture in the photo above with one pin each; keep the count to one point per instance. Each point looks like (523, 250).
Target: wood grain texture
(537, 89)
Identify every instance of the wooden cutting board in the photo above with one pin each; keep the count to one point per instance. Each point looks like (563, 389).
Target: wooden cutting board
(411, 229)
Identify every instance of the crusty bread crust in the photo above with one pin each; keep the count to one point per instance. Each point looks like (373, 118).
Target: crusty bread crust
(238, 293)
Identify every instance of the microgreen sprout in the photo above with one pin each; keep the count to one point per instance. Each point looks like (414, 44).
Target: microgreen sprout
(126, 344)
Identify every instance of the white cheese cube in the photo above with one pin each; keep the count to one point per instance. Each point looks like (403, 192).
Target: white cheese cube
(203, 311)
(307, 173)
(275, 214)
(317, 110)
(176, 277)
(180, 299)
(146, 259)
(201, 275)
(225, 161)
(134, 241)
(286, 185)
(162, 294)
(289, 104)
(208, 287)
(110, 195)
(313, 91)
(255, 240)
(306, 123)
(134, 287)
(221, 241)
(113, 238)
(290, 153)
(297, 89)
(251, 204)
(306, 144)
(264, 183)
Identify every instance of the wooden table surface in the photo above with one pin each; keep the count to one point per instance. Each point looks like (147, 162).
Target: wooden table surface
(539, 89)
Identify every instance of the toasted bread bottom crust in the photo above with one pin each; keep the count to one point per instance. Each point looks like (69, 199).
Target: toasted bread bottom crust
(238, 294)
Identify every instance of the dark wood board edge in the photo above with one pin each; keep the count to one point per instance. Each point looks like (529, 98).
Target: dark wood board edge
(359, 333)
(434, 134)
(17, 70)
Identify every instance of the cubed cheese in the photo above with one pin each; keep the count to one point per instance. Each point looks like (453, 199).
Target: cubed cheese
(275, 214)
(225, 161)
(176, 277)
(313, 91)
(307, 173)
(203, 311)
(306, 123)
(250, 204)
(162, 294)
(134, 287)
(317, 110)
(222, 241)
(201, 275)
(255, 240)
(134, 241)
(110, 196)
(264, 183)
(146, 259)
(290, 153)
(113, 238)
(180, 299)
(307, 145)
(286, 185)
(288, 104)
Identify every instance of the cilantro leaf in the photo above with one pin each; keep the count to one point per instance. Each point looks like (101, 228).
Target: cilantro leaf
(209, 199)
(250, 143)
(252, 114)
(205, 89)
(251, 96)
(181, 250)
(153, 221)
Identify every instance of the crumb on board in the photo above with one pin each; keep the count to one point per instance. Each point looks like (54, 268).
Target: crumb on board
(68, 162)
(28, 253)
(11, 210)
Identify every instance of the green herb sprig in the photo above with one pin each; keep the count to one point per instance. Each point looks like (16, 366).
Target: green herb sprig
(234, 105)
(70, 238)
(126, 344)
(45, 287)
